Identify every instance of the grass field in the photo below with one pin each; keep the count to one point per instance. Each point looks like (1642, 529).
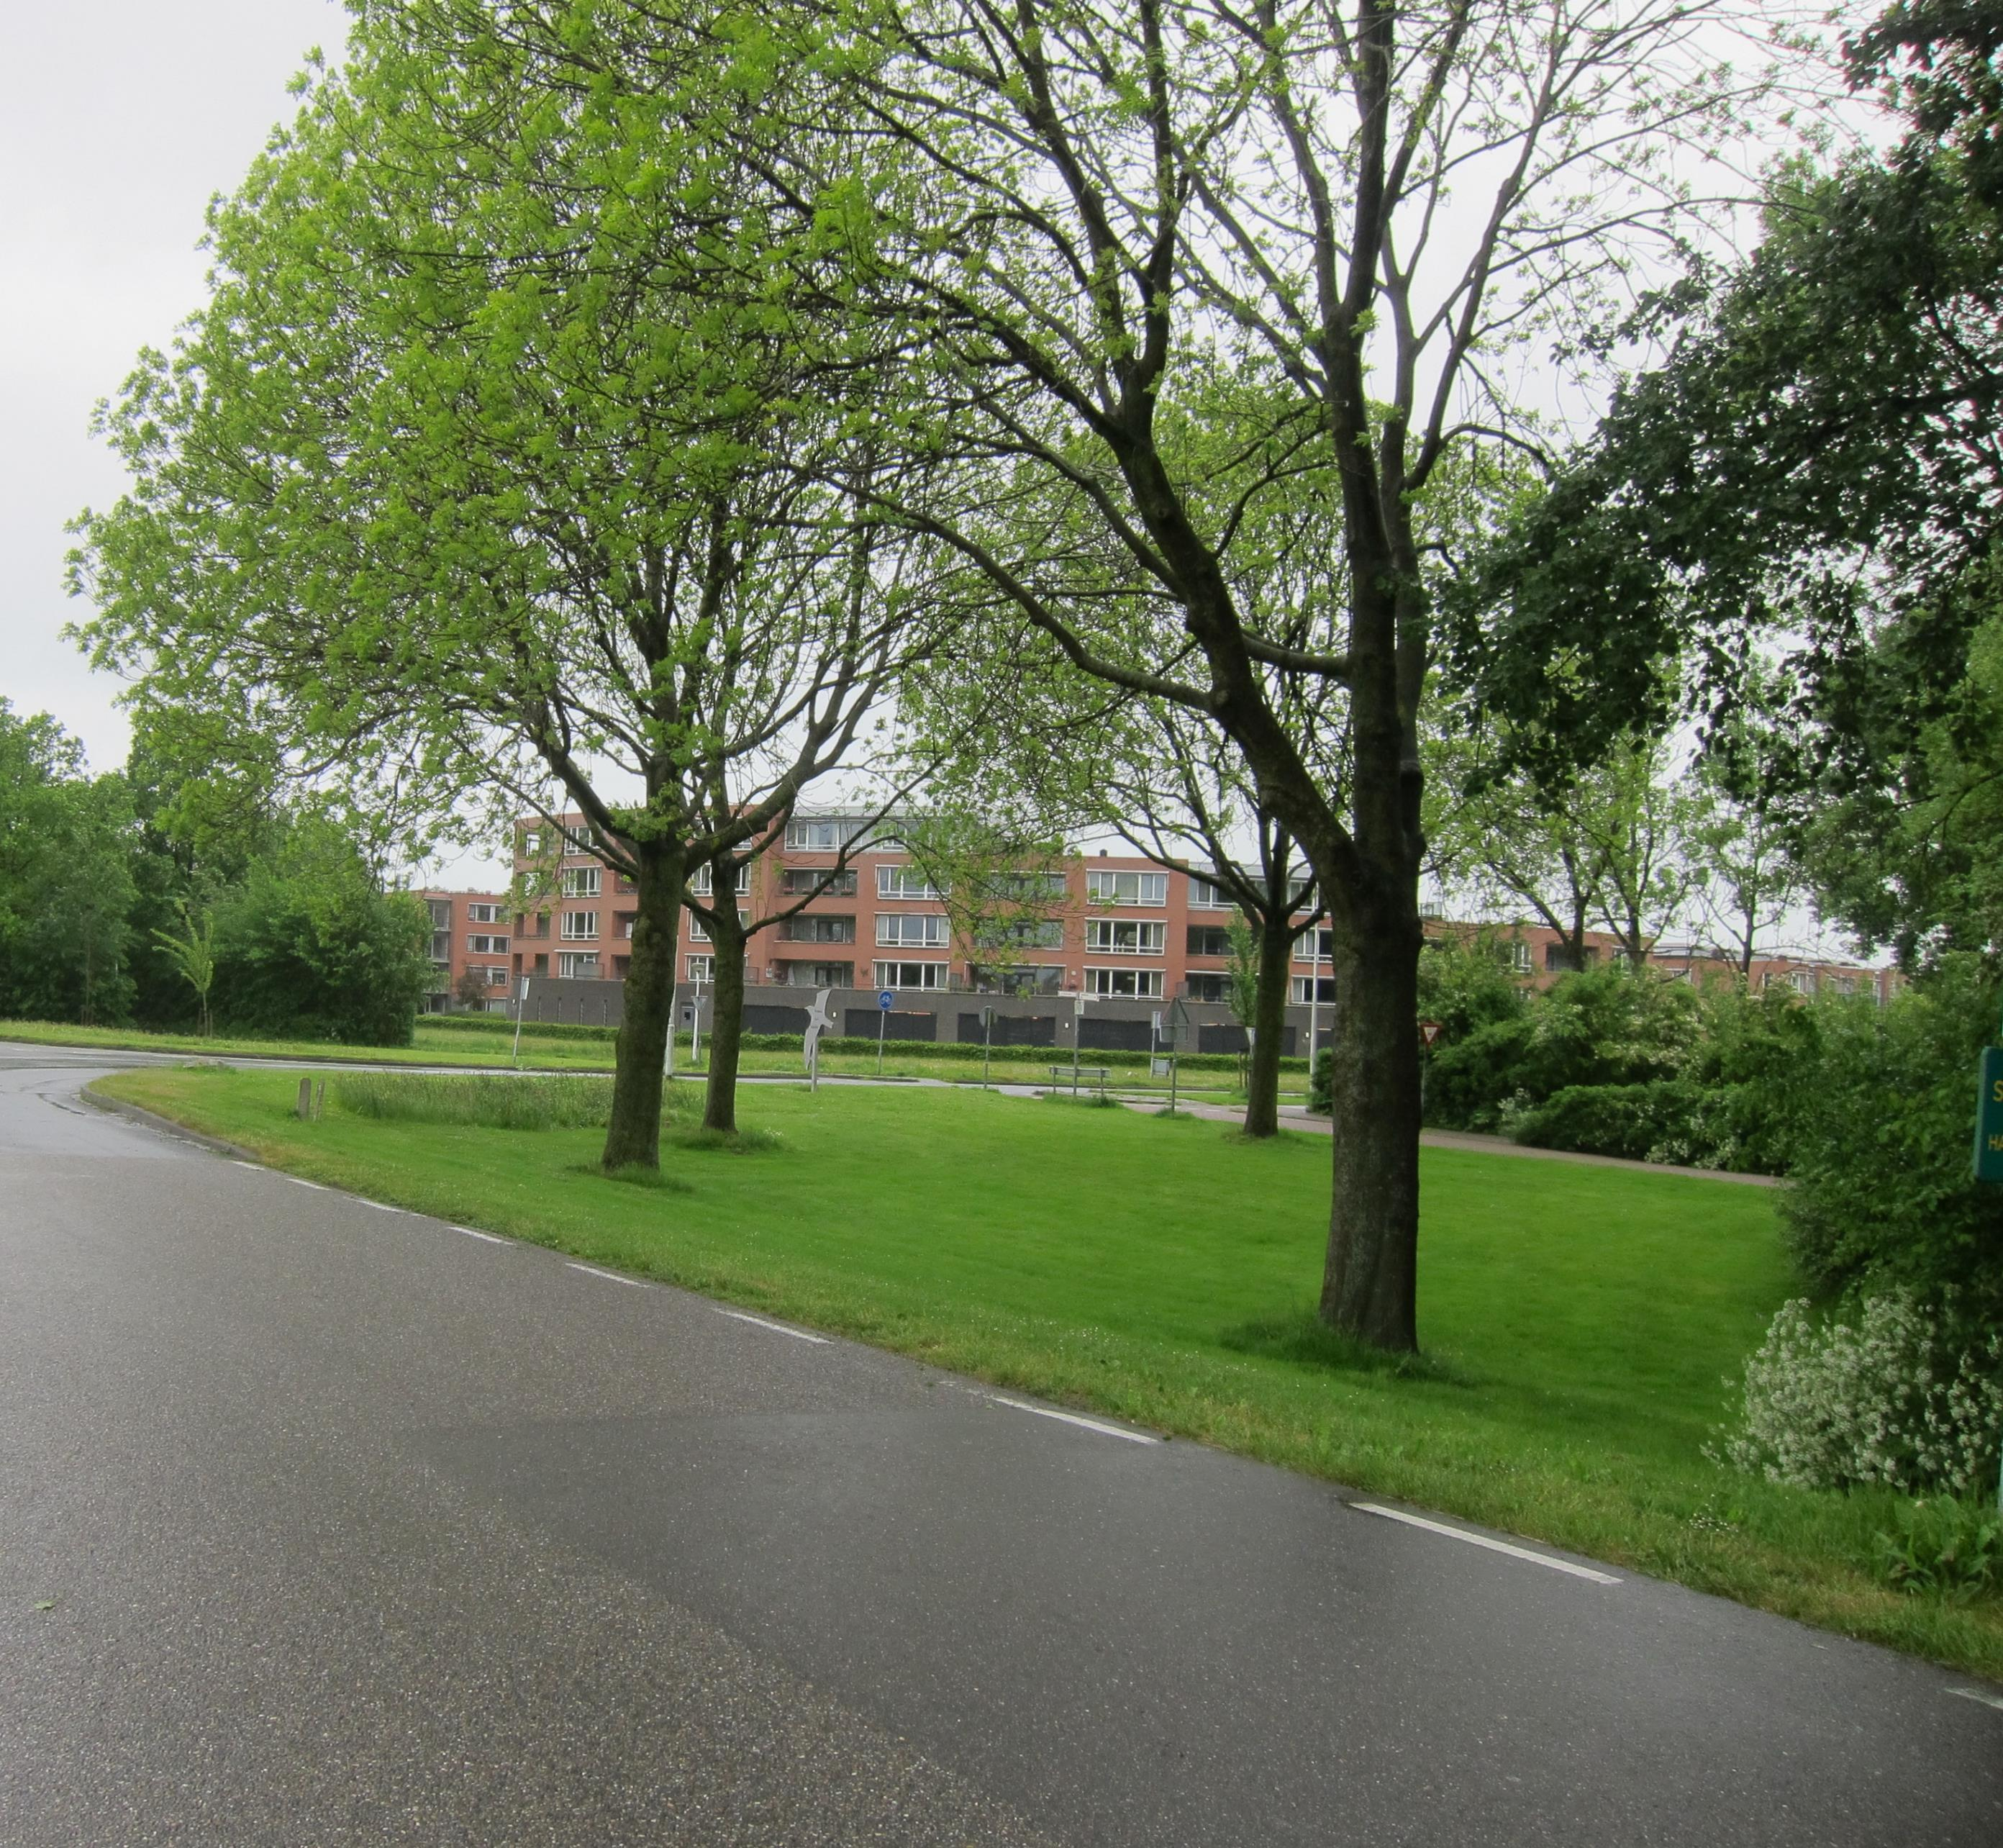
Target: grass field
(1578, 1320)
(470, 1048)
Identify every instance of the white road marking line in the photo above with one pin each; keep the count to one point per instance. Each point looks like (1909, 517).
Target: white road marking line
(1987, 1699)
(1501, 1546)
(489, 1238)
(314, 1184)
(609, 1276)
(251, 1165)
(759, 1321)
(379, 1205)
(1072, 1418)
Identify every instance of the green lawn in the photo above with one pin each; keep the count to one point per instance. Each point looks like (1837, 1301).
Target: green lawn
(469, 1047)
(1581, 1318)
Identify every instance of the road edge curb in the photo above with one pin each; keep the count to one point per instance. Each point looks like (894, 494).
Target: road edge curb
(152, 1119)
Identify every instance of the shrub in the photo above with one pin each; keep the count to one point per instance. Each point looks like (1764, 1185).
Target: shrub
(1888, 1395)
(1881, 1127)
(1321, 1082)
(563, 1102)
(1640, 1122)
(1945, 1545)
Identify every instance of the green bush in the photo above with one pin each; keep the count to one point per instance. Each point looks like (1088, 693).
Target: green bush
(1638, 1122)
(1321, 1082)
(1881, 1129)
(309, 948)
(1944, 1545)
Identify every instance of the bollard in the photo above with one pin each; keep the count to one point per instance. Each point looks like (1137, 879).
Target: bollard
(305, 1099)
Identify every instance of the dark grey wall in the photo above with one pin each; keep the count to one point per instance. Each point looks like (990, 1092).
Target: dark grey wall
(942, 1014)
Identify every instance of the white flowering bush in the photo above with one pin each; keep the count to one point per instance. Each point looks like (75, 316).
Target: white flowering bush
(1885, 1396)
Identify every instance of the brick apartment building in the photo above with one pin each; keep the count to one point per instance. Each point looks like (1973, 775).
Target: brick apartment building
(1113, 939)
(469, 930)
(1100, 953)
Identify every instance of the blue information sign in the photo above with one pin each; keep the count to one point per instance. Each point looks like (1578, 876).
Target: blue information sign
(1989, 1116)
(886, 1000)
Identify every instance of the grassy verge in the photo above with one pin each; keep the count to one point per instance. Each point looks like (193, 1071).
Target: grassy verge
(472, 1046)
(1578, 1321)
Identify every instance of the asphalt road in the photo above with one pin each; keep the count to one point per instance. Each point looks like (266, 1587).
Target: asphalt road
(354, 1528)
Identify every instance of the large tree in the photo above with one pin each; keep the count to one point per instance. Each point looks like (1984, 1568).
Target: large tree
(465, 481)
(1343, 228)
(1802, 500)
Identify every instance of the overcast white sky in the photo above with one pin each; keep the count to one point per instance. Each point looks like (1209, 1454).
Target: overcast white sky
(118, 119)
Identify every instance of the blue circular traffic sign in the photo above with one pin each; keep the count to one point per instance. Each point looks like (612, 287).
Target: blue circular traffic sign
(886, 1000)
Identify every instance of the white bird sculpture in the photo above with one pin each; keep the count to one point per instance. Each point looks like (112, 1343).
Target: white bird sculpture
(821, 1016)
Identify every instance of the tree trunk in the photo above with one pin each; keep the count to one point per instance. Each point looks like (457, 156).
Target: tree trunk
(1262, 1074)
(633, 1138)
(726, 1021)
(1368, 1287)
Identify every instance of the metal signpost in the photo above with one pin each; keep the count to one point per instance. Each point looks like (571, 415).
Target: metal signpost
(987, 1042)
(884, 1002)
(520, 1001)
(1988, 1162)
(674, 1007)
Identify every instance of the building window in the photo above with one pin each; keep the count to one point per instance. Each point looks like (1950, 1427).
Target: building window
(911, 974)
(577, 926)
(624, 884)
(579, 882)
(1313, 987)
(1208, 940)
(482, 914)
(816, 930)
(702, 881)
(1515, 956)
(1026, 978)
(1024, 934)
(913, 931)
(1207, 894)
(904, 882)
(829, 836)
(699, 931)
(622, 924)
(1208, 987)
(1802, 981)
(1843, 985)
(1127, 888)
(820, 975)
(799, 882)
(441, 947)
(487, 946)
(497, 978)
(1124, 936)
(1321, 946)
(1124, 984)
(702, 968)
(532, 842)
(1558, 959)
(575, 965)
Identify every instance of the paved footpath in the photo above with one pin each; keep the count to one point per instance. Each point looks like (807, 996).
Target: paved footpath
(359, 1528)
